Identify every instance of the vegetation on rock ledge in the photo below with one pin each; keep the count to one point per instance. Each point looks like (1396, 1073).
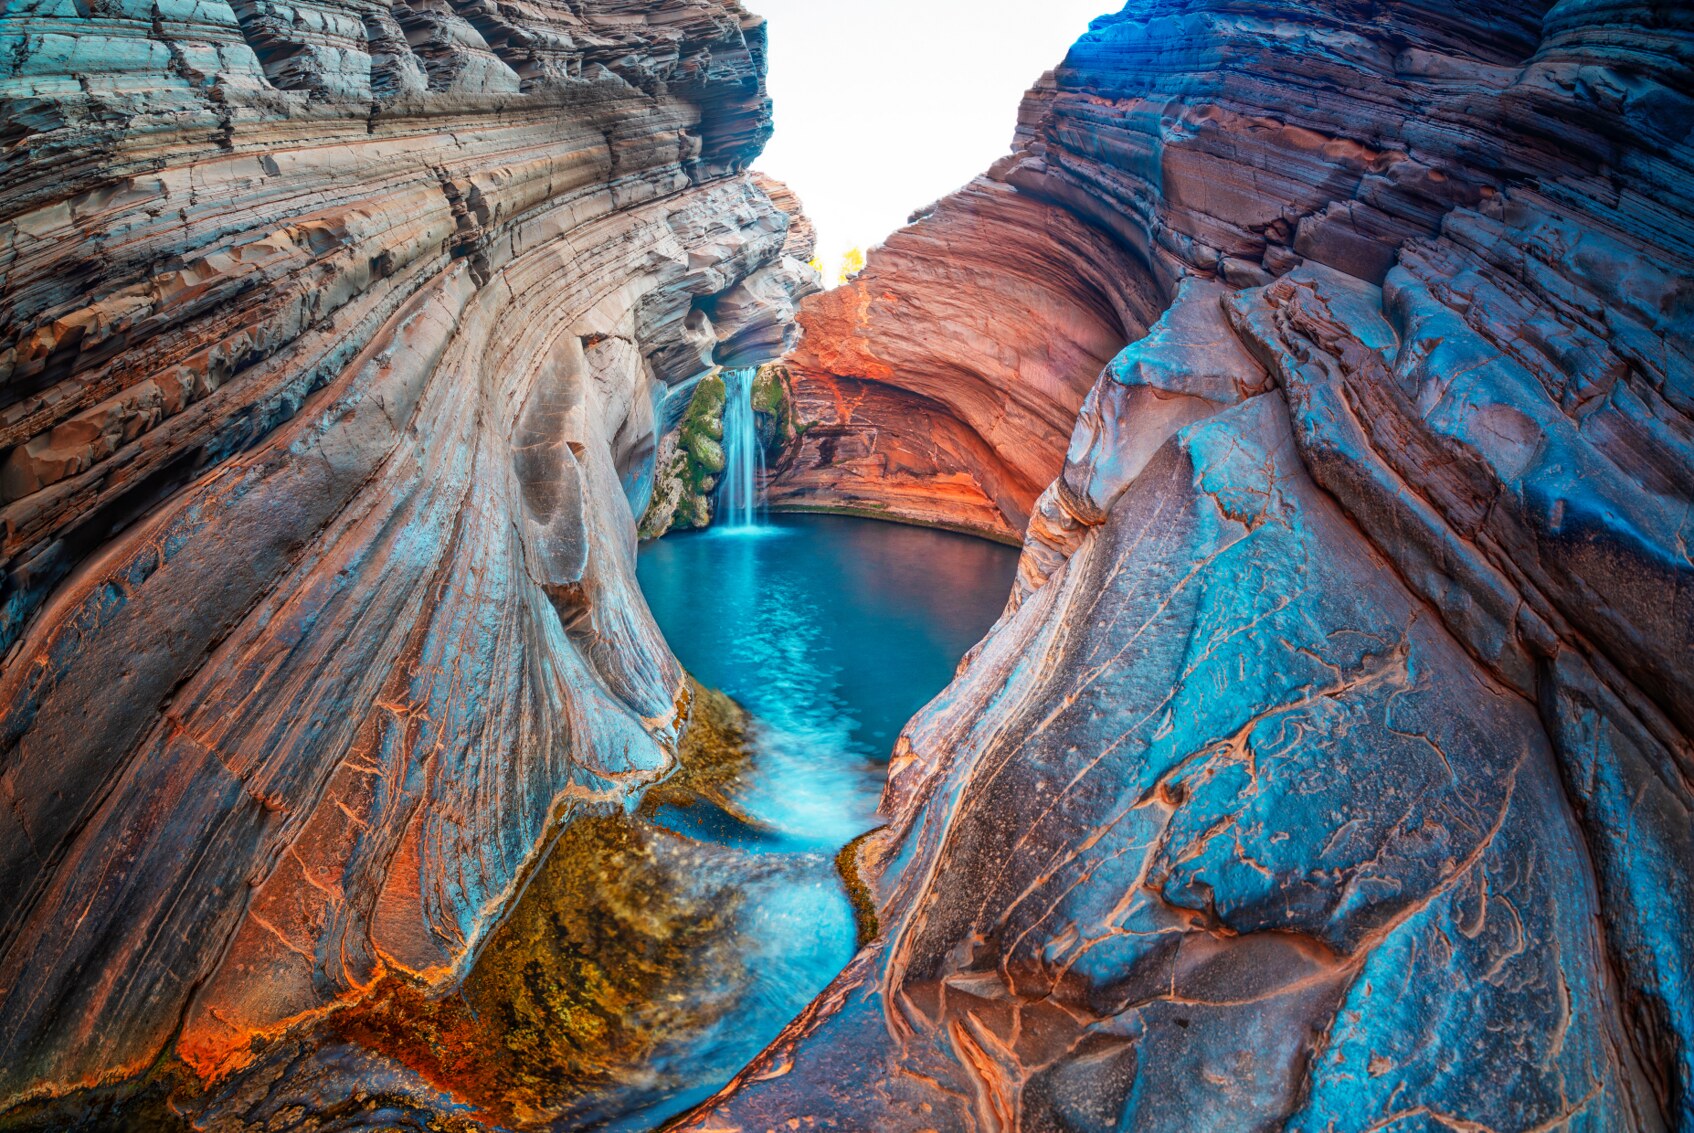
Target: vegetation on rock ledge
(714, 755)
(773, 407)
(571, 992)
(691, 459)
(689, 463)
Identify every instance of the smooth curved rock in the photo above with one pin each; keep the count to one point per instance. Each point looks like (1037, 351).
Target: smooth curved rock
(1331, 768)
(333, 334)
(912, 416)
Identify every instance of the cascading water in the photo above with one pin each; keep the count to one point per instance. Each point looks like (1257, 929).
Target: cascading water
(744, 456)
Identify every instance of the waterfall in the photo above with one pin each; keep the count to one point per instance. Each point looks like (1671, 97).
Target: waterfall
(744, 456)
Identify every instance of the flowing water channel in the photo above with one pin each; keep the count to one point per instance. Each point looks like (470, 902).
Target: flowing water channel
(831, 632)
(744, 456)
(656, 951)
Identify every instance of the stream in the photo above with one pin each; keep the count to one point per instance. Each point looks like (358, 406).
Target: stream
(832, 632)
(657, 949)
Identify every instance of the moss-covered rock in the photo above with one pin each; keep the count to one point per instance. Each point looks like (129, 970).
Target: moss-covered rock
(574, 989)
(701, 432)
(688, 464)
(864, 904)
(773, 406)
(569, 993)
(714, 754)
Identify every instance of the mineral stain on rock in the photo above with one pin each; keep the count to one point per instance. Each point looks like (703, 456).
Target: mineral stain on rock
(600, 1000)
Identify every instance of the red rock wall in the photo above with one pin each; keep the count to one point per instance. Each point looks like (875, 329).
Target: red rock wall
(328, 331)
(1331, 768)
(944, 379)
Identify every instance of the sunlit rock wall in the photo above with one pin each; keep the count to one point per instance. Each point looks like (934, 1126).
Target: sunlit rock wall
(943, 380)
(1331, 768)
(333, 335)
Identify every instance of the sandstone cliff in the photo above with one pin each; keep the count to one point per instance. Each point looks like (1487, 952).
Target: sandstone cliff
(1331, 768)
(333, 337)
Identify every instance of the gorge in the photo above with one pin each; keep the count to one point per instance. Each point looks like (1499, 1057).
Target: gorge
(335, 335)
(1330, 363)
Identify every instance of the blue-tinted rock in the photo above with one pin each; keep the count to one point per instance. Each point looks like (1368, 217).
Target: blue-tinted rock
(1331, 769)
(329, 334)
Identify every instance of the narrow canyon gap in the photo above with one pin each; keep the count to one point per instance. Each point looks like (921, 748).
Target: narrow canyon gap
(1331, 362)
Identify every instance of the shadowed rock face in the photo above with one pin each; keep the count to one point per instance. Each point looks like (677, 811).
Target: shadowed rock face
(329, 331)
(1330, 768)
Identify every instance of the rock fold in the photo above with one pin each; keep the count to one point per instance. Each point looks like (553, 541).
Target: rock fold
(334, 339)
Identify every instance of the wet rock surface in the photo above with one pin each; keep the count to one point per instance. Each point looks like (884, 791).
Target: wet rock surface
(334, 336)
(594, 1002)
(1331, 769)
(689, 464)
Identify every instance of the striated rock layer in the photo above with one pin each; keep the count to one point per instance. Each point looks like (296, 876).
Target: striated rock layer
(1330, 769)
(943, 380)
(333, 335)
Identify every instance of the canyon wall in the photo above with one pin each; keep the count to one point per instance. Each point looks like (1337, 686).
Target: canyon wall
(1330, 769)
(334, 333)
(942, 381)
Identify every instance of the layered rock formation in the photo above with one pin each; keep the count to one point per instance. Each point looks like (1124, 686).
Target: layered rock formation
(759, 322)
(1331, 768)
(912, 415)
(331, 330)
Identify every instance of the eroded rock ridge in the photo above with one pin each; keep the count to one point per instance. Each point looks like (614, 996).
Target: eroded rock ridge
(334, 338)
(1330, 769)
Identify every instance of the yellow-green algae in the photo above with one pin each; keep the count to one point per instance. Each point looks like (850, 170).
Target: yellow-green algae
(683, 482)
(864, 905)
(713, 759)
(569, 993)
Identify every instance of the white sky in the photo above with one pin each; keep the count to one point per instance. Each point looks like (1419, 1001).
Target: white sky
(884, 105)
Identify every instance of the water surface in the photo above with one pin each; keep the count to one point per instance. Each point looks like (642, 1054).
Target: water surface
(832, 632)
